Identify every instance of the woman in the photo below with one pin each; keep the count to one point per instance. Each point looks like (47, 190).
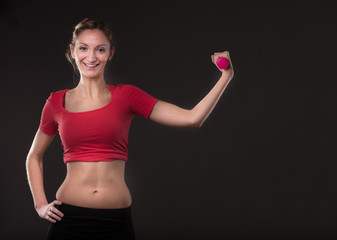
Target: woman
(93, 121)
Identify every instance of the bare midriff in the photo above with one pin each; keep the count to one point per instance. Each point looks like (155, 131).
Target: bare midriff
(95, 185)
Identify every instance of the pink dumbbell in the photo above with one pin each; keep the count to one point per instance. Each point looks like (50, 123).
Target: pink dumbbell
(222, 63)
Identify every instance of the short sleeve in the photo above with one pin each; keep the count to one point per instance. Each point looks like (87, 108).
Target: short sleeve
(47, 123)
(139, 101)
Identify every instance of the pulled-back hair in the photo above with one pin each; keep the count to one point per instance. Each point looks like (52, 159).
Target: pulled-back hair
(88, 23)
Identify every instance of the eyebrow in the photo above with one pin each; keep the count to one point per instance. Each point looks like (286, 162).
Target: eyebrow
(97, 45)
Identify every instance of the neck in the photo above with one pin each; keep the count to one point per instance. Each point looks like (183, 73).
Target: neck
(92, 87)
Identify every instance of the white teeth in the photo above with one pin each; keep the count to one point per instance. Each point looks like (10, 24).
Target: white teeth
(91, 65)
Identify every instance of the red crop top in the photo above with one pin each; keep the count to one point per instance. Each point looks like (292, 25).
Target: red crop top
(100, 134)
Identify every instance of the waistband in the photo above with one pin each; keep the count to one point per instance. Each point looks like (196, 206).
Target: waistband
(73, 208)
(82, 220)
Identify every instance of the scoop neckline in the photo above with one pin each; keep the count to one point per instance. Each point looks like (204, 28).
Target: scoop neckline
(94, 110)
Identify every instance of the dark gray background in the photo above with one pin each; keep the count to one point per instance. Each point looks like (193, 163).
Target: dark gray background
(262, 165)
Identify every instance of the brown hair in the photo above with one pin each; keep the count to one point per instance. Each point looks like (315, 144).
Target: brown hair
(88, 23)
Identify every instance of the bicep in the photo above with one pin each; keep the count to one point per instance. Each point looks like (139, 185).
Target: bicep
(171, 115)
(40, 143)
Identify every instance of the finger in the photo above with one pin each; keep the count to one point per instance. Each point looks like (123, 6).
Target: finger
(54, 216)
(50, 219)
(229, 59)
(226, 55)
(215, 57)
(222, 54)
(58, 212)
(55, 210)
(57, 202)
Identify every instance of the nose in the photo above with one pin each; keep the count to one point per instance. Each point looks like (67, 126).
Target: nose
(92, 56)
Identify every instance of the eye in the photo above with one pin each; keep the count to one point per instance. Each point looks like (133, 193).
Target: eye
(82, 48)
(101, 50)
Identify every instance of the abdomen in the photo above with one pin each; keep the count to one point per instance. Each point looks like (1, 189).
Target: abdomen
(95, 185)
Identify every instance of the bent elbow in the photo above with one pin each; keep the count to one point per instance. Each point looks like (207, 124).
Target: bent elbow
(195, 121)
(33, 158)
(196, 124)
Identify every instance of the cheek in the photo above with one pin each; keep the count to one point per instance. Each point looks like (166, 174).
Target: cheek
(105, 58)
(80, 56)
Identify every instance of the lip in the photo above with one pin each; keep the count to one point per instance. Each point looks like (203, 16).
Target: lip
(90, 66)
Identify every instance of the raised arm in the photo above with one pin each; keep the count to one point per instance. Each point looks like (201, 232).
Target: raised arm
(171, 115)
(34, 168)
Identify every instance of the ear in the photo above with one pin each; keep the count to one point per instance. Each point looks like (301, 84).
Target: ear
(71, 47)
(112, 53)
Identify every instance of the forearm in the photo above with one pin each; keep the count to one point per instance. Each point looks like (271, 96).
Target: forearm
(172, 115)
(203, 109)
(34, 168)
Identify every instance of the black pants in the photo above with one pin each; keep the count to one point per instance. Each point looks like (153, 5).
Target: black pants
(92, 223)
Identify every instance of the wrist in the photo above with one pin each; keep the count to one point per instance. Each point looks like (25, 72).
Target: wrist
(40, 204)
(226, 75)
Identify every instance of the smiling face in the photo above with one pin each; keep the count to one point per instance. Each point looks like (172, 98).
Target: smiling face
(91, 53)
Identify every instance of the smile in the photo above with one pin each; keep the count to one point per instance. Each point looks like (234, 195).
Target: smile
(91, 66)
